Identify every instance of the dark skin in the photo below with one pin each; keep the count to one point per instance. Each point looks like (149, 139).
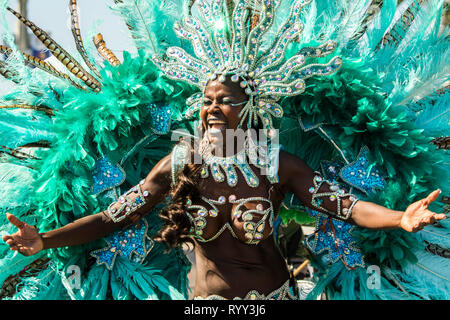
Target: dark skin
(227, 266)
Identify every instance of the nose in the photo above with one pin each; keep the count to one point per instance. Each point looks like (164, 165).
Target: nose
(213, 107)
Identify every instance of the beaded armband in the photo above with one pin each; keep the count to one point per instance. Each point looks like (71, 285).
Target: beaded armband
(334, 194)
(128, 203)
(179, 159)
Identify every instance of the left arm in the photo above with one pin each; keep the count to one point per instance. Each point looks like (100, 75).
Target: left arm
(297, 177)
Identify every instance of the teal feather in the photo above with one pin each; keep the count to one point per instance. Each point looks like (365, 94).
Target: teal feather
(350, 19)
(150, 22)
(378, 27)
(19, 127)
(46, 285)
(94, 287)
(429, 12)
(435, 116)
(118, 290)
(15, 189)
(12, 263)
(429, 278)
(437, 235)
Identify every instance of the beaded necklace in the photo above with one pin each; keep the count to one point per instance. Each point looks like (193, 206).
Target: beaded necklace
(250, 153)
(225, 168)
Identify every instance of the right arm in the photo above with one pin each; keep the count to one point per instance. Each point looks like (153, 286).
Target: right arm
(28, 241)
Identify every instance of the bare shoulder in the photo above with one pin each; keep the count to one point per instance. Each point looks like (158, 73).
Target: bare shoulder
(290, 166)
(290, 162)
(161, 172)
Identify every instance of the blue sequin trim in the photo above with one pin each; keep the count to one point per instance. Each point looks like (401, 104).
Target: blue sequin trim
(160, 118)
(361, 174)
(106, 175)
(324, 242)
(133, 243)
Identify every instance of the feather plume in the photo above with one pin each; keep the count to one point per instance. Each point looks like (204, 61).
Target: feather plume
(76, 32)
(424, 19)
(150, 22)
(19, 127)
(352, 14)
(38, 63)
(436, 235)
(435, 116)
(378, 26)
(62, 55)
(403, 16)
(48, 111)
(104, 52)
(442, 143)
(8, 74)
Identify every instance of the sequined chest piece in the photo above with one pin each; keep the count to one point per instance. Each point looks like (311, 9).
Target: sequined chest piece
(225, 169)
(255, 220)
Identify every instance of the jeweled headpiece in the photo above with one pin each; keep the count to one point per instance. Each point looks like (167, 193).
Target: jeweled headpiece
(226, 38)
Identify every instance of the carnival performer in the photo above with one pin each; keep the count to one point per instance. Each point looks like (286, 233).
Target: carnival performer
(223, 189)
(232, 220)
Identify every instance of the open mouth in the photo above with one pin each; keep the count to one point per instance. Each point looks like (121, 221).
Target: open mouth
(216, 124)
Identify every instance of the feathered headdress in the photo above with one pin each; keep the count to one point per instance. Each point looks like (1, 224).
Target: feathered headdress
(226, 39)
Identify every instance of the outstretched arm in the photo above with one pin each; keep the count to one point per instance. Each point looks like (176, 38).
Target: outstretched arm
(297, 177)
(151, 191)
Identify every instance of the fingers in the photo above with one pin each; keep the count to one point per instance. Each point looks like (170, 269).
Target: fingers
(15, 221)
(432, 196)
(13, 246)
(440, 216)
(430, 219)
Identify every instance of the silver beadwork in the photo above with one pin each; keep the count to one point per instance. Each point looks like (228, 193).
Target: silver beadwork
(128, 203)
(335, 194)
(282, 293)
(265, 75)
(253, 230)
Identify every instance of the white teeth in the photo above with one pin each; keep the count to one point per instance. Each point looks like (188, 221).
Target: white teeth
(216, 122)
(210, 122)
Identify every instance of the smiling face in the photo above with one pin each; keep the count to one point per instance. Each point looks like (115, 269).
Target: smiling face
(220, 111)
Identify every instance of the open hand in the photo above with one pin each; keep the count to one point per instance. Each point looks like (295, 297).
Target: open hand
(26, 240)
(417, 215)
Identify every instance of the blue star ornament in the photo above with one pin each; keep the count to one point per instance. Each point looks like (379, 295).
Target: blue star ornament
(361, 174)
(335, 240)
(160, 118)
(133, 243)
(106, 175)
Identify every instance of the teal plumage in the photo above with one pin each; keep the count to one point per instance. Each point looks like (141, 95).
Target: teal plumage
(386, 96)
